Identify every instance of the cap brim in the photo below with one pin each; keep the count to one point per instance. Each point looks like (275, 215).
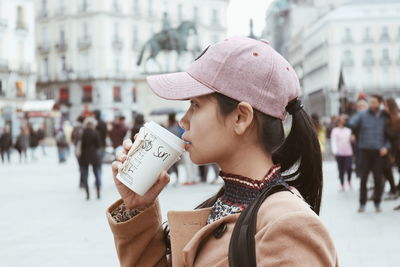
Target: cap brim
(177, 86)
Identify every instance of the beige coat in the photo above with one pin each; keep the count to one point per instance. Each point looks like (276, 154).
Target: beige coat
(289, 233)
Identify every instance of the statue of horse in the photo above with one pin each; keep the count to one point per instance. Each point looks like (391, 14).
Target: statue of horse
(168, 40)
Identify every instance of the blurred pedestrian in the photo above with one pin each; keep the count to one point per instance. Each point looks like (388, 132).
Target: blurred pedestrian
(321, 132)
(118, 132)
(76, 138)
(67, 128)
(62, 145)
(138, 123)
(33, 141)
(101, 128)
(5, 144)
(362, 105)
(393, 134)
(341, 147)
(173, 127)
(41, 137)
(373, 144)
(90, 144)
(22, 143)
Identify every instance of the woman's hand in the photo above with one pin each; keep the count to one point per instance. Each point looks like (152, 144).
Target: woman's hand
(130, 198)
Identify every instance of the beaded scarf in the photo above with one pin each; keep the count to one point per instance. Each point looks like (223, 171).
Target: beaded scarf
(241, 191)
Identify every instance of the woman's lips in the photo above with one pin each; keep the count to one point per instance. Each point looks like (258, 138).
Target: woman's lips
(187, 147)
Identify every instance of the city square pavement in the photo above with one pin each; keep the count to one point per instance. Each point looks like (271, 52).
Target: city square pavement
(46, 220)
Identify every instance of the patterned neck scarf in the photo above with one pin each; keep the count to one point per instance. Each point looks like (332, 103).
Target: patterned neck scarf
(241, 191)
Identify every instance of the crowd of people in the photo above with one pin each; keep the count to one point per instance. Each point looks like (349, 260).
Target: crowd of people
(369, 140)
(27, 139)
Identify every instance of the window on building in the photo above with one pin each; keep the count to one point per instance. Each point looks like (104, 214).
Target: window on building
(45, 38)
(117, 65)
(136, 7)
(180, 10)
(150, 8)
(62, 34)
(44, 8)
(87, 94)
(214, 17)
(2, 92)
(46, 66)
(64, 95)
(21, 18)
(116, 33)
(116, 5)
(84, 5)
(85, 30)
(385, 57)
(367, 35)
(117, 93)
(368, 58)
(134, 95)
(63, 64)
(20, 88)
(347, 35)
(61, 6)
(196, 18)
(135, 39)
(385, 34)
(347, 58)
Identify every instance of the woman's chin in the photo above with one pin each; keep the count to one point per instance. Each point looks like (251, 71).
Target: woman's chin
(197, 160)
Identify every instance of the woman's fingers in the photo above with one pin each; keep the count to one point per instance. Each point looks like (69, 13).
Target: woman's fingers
(127, 144)
(162, 181)
(116, 166)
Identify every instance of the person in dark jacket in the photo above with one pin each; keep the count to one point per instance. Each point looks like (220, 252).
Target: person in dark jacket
(101, 128)
(89, 156)
(118, 132)
(5, 144)
(139, 123)
(33, 142)
(374, 146)
(22, 143)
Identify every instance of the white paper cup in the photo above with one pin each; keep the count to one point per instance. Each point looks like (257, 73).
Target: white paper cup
(155, 149)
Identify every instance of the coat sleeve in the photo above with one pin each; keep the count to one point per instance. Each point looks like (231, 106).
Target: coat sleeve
(140, 240)
(295, 239)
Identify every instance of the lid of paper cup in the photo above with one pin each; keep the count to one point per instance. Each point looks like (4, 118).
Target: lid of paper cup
(174, 141)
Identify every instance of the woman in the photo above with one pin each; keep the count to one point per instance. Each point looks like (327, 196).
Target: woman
(89, 155)
(22, 143)
(5, 144)
(341, 147)
(239, 89)
(393, 133)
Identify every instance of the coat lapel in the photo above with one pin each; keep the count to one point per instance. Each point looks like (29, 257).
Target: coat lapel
(191, 249)
(183, 226)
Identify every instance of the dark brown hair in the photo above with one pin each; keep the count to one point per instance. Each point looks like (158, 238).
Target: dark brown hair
(394, 119)
(299, 154)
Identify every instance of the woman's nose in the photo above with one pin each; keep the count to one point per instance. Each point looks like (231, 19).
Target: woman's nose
(184, 123)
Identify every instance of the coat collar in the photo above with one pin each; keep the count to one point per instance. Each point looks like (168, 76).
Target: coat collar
(193, 229)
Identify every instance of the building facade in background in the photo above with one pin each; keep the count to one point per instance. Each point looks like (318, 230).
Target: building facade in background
(359, 39)
(87, 50)
(17, 60)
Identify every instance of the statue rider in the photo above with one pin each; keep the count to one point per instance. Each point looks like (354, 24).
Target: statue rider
(170, 35)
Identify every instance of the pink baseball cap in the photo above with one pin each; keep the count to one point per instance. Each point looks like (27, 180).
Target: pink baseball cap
(241, 68)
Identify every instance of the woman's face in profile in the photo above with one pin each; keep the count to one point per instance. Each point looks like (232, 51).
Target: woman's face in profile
(209, 133)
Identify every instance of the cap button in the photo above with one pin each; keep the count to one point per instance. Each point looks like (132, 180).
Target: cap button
(264, 41)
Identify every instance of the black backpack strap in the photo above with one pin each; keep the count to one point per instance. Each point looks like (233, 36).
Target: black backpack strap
(242, 244)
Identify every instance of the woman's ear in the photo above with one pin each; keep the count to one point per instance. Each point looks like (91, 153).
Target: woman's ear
(244, 115)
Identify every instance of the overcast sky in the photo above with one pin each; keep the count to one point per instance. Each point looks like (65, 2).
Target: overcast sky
(240, 12)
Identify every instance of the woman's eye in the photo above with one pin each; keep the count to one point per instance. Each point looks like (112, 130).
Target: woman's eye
(193, 104)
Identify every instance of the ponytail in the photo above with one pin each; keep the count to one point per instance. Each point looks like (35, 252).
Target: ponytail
(300, 157)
